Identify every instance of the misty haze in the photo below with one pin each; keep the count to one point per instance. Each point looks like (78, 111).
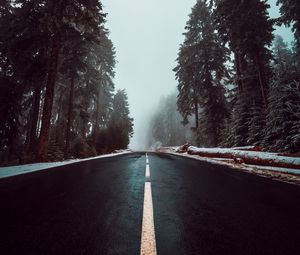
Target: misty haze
(149, 127)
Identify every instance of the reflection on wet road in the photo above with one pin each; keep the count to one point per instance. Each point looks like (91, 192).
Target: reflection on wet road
(189, 207)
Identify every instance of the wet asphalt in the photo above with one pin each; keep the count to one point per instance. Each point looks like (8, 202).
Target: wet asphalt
(96, 207)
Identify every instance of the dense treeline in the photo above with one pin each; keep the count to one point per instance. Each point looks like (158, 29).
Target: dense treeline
(166, 127)
(57, 95)
(239, 83)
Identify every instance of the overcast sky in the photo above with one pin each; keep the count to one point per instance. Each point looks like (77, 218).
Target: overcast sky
(146, 35)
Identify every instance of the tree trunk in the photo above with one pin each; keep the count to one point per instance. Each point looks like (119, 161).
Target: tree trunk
(96, 125)
(70, 109)
(83, 129)
(28, 127)
(40, 113)
(238, 67)
(60, 112)
(196, 115)
(35, 117)
(262, 80)
(54, 49)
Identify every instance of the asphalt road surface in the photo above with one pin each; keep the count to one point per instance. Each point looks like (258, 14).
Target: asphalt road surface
(96, 207)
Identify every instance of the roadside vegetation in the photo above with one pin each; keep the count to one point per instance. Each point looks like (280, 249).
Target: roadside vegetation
(238, 83)
(57, 98)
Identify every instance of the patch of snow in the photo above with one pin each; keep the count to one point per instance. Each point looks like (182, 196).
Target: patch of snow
(250, 154)
(276, 169)
(22, 169)
(167, 149)
(289, 175)
(245, 148)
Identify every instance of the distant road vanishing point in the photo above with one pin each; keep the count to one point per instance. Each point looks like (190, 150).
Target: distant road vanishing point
(147, 203)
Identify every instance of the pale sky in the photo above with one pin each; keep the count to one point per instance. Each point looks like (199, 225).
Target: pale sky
(147, 35)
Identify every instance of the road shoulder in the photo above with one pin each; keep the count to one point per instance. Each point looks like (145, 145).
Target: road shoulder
(278, 174)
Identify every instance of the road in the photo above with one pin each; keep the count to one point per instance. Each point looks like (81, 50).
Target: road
(96, 207)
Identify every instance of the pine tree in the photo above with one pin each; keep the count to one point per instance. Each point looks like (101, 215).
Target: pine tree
(247, 28)
(215, 113)
(282, 127)
(240, 122)
(84, 17)
(200, 72)
(80, 74)
(23, 54)
(165, 127)
(120, 127)
(54, 23)
(105, 86)
(290, 15)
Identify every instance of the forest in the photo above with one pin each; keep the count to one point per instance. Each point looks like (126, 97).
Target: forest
(57, 98)
(238, 82)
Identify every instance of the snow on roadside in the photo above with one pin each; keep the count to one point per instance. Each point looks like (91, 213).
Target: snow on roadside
(276, 169)
(23, 169)
(289, 175)
(247, 148)
(265, 158)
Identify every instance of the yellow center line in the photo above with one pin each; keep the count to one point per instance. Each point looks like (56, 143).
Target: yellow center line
(148, 242)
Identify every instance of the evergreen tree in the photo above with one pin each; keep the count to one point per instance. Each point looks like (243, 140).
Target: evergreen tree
(166, 128)
(105, 86)
(84, 17)
(215, 113)
(290, 15)
(22, 63)
(89, 66)
(200, 73)
(71, 76)
(120, 127)
(54, 23)
(73, 55)
(283, 129)
(246, 27)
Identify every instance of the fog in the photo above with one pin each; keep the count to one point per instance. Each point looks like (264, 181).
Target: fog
(146, 35)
